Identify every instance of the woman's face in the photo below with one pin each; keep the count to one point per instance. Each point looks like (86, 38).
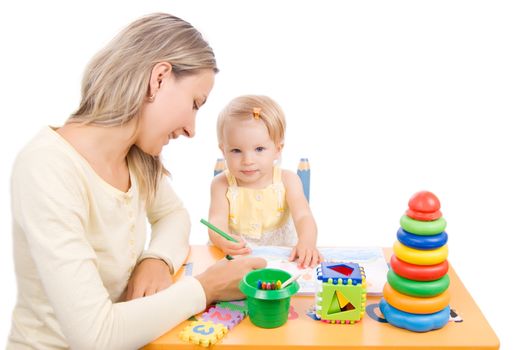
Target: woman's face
(173, 109)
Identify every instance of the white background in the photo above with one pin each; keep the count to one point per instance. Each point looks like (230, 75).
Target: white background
(384, 98)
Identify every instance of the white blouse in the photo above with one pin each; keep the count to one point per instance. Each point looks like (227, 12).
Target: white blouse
(76, 241)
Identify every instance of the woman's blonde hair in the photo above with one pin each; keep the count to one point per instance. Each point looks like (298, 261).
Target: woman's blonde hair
(254, 106)
(116, 81)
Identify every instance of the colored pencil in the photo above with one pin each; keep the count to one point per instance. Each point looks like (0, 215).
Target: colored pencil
(304, 174)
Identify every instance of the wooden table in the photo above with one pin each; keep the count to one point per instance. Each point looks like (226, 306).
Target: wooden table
(301, 331)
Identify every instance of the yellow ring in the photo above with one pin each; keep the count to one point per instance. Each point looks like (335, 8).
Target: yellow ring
(420, 257)
(415, 305)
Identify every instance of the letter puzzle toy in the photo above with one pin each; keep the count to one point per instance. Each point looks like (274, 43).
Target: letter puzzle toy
(214, 323)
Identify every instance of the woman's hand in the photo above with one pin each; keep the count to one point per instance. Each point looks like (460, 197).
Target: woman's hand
(149, 277)
(306, 253)
(221, 280)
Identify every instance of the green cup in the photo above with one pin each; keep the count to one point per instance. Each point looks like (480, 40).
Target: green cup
(268, 308)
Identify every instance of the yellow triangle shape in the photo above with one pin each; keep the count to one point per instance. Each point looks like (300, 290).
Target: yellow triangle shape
(342, 300)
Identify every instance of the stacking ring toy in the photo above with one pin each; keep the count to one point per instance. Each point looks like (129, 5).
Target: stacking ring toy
(418, 272)
(417, 288)
(424, 228)
(414, 322)
(415, 305)
(421, 242)
(420, 257)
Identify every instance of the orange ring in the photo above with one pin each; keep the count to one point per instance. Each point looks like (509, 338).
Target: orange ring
(415, 305)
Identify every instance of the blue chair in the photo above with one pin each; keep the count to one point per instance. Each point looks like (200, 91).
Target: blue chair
(303, 172)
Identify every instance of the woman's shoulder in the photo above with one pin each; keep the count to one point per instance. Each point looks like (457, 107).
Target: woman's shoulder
(44, 151)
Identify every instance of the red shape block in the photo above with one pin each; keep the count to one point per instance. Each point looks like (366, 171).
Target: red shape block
(344, 270)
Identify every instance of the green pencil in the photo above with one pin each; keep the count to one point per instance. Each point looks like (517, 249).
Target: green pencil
(221, 233)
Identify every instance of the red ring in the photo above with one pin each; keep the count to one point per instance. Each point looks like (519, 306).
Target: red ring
(419, 272)
(418, 215)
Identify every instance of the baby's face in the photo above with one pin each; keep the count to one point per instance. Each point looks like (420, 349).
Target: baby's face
(249, 152)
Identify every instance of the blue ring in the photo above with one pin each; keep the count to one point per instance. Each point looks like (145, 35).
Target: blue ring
(414, 322)
(421, 242)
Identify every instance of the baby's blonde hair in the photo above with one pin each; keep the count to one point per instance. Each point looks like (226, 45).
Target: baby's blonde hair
(242, 108)
(116, 81)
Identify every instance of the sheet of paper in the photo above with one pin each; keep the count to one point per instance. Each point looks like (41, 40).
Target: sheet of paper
(370, 258)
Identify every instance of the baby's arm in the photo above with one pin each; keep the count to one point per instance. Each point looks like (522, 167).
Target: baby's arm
(218, 216)
(305, 250)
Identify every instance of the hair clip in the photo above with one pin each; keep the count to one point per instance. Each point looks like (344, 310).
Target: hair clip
(255, 112)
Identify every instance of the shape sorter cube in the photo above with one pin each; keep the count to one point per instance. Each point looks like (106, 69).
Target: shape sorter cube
(341, 292)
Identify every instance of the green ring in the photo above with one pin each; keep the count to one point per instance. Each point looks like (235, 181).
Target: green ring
(418, 288)
(424, 228)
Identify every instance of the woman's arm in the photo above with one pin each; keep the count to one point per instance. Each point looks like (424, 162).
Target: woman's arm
(170, 225)
(168, 246)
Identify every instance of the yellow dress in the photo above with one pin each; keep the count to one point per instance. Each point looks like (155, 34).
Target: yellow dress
(261, 216)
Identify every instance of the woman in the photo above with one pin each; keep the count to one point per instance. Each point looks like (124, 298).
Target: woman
(81, 194)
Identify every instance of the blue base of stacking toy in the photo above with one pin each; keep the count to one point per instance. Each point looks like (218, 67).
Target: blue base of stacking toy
(414, 322)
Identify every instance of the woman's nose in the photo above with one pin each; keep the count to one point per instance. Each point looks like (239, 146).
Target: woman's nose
(189, 132)
(189, 129)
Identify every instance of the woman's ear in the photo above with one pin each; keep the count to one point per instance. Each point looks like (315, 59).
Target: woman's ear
(160, 72)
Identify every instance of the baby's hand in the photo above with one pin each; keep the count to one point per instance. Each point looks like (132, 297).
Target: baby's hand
(233, 248)
(307, 254)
